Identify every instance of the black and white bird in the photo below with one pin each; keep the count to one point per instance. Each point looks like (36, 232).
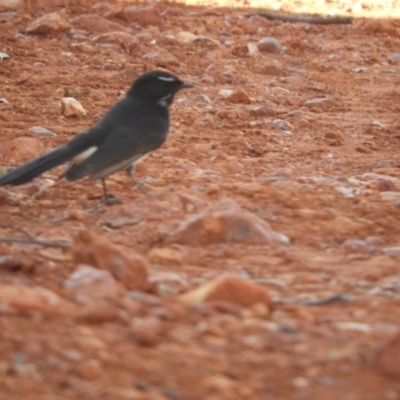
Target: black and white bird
(133, 127)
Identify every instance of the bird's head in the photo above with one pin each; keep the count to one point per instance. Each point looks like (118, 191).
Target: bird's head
(159, 86)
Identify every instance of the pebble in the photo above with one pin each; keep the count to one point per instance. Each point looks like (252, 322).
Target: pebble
(38, 130)
(34, 298)
(96, 24)
(238, 96)
(283, 125)
(142, 15)
(335, 136)
(185, 37)
(269, 45)
(320, 102)
(166, 256)
(223, 222)
(356, 246)
(123, 39)
(147, 331)
(394, 57)
(71, 107)
(128, 267)
(48, 24)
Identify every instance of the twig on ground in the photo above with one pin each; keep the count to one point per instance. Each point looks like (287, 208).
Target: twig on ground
(308, 19)
(31, 239)
(315, 302)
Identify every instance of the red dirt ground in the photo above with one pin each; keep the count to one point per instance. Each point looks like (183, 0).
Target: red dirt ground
(311, 185)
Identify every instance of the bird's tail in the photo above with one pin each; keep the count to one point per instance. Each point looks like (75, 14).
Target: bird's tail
(37, 166)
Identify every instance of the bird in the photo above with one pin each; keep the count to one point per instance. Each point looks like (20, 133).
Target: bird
(135, 126)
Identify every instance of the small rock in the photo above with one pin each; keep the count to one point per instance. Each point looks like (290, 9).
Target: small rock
(166, 256)
(71, 107)
(335, 136)
(394, 57)
(48, 24)
(224, 222)
(231, 289)
(225, 92)
(356, 246)
(126, 266)
(363, 150)
(147, 331)
(384, 183)
(162, 59)
(38, 130)
(143, 15)
(269, 45)
(271, 70)
(185, 37)
(320, 102)
(241, 50)
(76, 91)
(239, 96)
(226, 114)
(283, 125)
(263, 111)
(3, 56)
(34, 298)
(21, 148)
(89, 282)
(387, 163)
(127, 41)
(96, 24)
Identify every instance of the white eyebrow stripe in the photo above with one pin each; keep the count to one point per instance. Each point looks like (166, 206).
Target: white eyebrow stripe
(167, 78)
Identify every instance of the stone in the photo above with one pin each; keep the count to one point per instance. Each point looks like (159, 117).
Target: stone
(38, 130)
(271, 70)
(383, 183)
(230, 289)
(238, 96)
(162, 59)
(147, 331)
(96, 24)
(335, 136)
(127, 41)
(71, 107)
(223, 222)
(6, 5)
(388, 359)
(87, 283)
(143, 15)
(48, 24)
(26, 298)
(320, 102)
(264, 111)
(21, 149)
(269, 45)
(128, 267)
(241, 50)
(185, 37)
(166, 256)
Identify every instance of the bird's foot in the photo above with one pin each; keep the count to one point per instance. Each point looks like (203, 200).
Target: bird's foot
(110, 200)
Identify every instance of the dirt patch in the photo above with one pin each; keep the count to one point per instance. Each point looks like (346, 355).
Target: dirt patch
(304, 139)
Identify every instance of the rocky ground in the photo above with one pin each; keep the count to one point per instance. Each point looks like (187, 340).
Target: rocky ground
(264, 261)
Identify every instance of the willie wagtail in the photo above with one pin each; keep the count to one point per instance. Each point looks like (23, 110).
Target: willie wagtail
(133, 127)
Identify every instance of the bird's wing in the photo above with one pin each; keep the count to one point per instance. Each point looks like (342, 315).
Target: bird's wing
(122, 147)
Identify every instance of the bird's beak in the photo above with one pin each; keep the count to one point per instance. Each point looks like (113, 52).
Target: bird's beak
(186, 85)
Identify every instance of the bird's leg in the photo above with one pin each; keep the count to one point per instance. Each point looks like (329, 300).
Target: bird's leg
(131, 172)
(107, 199)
